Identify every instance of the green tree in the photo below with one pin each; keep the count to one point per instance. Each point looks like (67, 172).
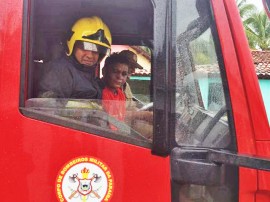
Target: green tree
(256, 25)
(257, 29)
(246, 10)
(203, 50)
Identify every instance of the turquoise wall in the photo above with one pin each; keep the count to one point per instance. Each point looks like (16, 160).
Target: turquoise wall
(264, 85)
(265, 88)
(204, 86)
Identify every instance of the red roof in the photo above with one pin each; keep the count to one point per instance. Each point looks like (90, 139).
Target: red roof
(209, 69)
(262, 63)
(141, 72)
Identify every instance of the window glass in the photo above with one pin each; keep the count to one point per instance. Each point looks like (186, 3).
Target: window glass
(54, 48)
(132, 117)
(107, 115)
(201, 112)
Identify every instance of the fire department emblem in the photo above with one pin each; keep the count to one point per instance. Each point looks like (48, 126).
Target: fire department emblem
(84, 179)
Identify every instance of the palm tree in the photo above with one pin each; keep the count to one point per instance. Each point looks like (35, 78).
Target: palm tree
(246, 10)
(257, 29)
(256, 25)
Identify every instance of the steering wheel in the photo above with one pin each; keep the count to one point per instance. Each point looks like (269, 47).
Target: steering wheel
(146, 107)
(107, 118)
(213, 122)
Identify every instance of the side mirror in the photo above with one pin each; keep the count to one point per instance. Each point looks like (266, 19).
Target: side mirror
(266, 4)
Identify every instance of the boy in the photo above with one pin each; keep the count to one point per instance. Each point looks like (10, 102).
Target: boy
(115, 72)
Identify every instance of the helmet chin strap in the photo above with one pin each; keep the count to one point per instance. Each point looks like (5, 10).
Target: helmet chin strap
(100, 57)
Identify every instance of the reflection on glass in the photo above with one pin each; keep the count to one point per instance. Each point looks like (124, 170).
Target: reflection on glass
(138, 122)
(201, 114)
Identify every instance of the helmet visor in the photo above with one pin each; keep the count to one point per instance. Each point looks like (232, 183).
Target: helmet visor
(92, 47)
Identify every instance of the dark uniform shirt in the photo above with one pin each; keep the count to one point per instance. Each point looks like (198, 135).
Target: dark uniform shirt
(66, 78)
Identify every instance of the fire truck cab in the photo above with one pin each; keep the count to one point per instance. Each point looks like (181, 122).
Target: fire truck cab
(209, 139)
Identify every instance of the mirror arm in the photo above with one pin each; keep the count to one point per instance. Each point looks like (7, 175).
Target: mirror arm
(248, 161)
(204, 166)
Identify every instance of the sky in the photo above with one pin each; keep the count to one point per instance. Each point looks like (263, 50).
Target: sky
(257, 3)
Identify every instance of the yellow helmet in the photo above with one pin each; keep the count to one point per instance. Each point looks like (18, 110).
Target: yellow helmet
(92, 30)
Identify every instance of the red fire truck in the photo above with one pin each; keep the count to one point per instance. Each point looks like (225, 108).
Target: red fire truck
(210, 137)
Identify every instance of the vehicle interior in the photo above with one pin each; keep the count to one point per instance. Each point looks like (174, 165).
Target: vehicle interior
(51, 21)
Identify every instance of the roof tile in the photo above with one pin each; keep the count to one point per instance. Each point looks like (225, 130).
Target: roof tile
(261, 61)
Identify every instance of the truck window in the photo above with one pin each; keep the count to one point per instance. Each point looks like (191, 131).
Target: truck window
(46, 27)
(202, 108)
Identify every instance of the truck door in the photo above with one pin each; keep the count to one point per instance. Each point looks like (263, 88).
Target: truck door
(64, 149)
(63, 134)
(212, 113)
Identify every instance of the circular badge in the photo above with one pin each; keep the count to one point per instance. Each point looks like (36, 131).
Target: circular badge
(84, 179)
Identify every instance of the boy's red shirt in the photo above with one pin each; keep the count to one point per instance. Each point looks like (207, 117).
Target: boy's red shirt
(111, 105)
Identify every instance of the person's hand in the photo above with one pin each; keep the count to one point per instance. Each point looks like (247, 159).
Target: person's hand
(144, 128)
(145, 116)
(140, 115)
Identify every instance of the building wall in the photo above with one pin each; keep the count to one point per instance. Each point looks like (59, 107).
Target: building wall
(264, 85)
(265, 88)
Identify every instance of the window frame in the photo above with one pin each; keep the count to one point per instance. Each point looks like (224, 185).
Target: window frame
(27, 53)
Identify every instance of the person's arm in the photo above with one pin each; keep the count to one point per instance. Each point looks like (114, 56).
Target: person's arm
(142, 122)
(130, 104)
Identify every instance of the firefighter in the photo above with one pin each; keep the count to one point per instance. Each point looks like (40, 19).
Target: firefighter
(74, 74)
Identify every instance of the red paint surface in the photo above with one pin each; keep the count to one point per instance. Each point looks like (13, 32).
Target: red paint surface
(263, 176)
(33, 152)
(248, 110)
